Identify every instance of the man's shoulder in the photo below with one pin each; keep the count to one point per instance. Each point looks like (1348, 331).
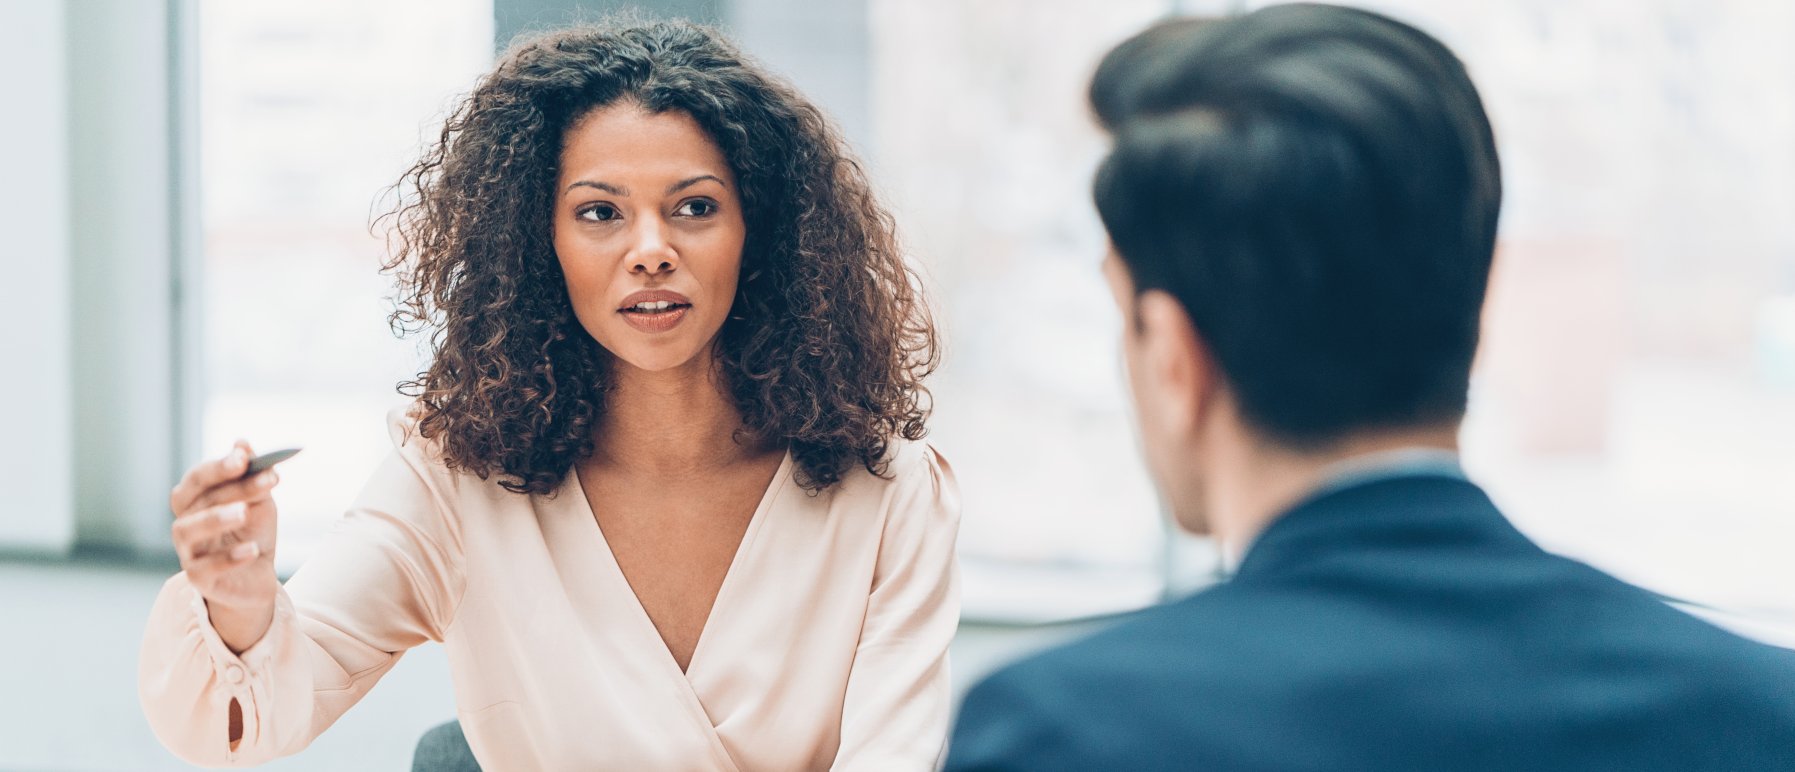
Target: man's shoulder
(1249, 634)
(1122, 695)
(1196, 637)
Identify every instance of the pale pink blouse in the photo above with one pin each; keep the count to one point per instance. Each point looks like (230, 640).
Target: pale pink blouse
(826, 649)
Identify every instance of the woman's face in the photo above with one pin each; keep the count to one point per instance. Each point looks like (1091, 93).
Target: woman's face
(649, 231)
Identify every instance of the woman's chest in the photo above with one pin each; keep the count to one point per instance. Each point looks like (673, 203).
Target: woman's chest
(675, 557)
(552, 643)
(676, 544)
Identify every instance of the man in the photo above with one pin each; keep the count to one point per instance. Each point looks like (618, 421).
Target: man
(1302, 206)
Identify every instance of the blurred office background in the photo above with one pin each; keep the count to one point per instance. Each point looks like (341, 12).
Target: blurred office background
(188, 259)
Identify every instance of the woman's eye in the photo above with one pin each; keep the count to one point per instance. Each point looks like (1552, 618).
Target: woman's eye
(696, 208)
(599, 213)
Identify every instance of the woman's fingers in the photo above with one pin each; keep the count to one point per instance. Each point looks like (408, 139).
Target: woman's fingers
(224, 531)
(212, 575)
(206, 474)
(250, 490)
(195, 535)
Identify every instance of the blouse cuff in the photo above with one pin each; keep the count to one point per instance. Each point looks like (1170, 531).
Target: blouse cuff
(233, 668)
(249, 677)
(201, 682)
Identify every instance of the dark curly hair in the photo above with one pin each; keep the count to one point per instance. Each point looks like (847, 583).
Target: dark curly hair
(827, 341)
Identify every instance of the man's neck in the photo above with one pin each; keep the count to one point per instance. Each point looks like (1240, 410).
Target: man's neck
(1249, 488)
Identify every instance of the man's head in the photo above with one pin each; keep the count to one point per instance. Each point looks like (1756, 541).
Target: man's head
(1302, 206)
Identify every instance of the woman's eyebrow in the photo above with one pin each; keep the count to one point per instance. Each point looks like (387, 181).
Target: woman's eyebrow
(686, 183)
(604, 186)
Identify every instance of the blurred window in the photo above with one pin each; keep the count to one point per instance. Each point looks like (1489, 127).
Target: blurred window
(308, 110)
(1634, 404)
(984, 144)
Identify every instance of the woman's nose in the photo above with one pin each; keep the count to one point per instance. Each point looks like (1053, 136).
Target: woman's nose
(651, 253)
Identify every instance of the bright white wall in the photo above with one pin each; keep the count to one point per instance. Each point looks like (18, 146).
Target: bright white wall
(36, 409)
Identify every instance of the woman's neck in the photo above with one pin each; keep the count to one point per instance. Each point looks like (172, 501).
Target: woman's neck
(672, 422)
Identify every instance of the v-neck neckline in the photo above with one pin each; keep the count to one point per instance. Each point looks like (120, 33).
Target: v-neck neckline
(719, 605)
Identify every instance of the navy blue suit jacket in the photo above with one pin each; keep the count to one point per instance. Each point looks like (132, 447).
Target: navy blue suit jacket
(1401, 624)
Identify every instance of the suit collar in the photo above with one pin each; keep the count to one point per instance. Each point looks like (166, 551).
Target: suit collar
(1363, 470)
(1417, 510)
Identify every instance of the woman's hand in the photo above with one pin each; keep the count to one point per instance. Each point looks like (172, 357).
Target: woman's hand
(224, 533)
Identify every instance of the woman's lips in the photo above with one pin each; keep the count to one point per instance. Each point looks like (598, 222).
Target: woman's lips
(655, 321)
(658, 319)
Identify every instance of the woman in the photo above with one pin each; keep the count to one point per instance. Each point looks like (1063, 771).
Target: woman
(660, 495)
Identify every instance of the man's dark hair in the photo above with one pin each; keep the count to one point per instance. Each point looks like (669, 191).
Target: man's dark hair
(1318, 186)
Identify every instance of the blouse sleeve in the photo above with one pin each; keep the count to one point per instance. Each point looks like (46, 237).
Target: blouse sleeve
(895, 714)
(387, 579)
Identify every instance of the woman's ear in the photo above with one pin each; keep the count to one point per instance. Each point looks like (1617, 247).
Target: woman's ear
(1177, 371)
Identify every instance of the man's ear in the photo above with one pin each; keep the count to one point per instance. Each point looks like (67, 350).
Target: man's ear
(1180, 376)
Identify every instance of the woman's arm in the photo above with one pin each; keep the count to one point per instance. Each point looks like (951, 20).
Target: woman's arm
(896, 711)
(387, 579)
